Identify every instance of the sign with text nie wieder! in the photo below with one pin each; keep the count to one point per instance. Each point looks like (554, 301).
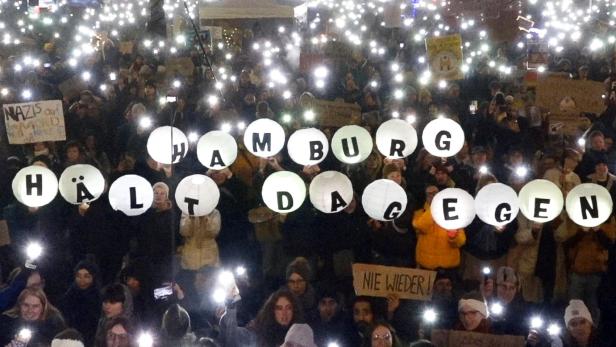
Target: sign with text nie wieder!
(36, 121)
(407, 283)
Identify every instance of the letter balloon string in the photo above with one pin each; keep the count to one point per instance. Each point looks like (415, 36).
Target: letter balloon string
(497, 204)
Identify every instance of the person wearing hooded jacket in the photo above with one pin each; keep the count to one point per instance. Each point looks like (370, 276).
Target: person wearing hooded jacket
(176, 328)
(117, 302)
(81, 304)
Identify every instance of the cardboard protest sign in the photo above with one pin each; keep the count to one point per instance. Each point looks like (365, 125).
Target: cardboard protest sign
(336, 113)
(445, 56)
(537, 54)
(126, 47)
(451, 338)
(407, 283)
(32, 122)
(181, 65)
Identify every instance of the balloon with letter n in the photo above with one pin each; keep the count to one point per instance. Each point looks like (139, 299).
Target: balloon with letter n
(331, 192)
(81, 183)
(384, 200)
(197, 195)
(131, 194)
(35, 186)
(162, 150)
(589, 205)
(283, 191)
(453, 208)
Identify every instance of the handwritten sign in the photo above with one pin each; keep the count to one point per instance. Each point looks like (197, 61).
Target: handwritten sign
(407, 283)
(34, 122)
(451, 338)
(336, 113)
(445, 56)
(552, 91)
(126, 47)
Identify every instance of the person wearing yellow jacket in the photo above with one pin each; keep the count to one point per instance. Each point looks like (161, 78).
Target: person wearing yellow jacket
(436, 246)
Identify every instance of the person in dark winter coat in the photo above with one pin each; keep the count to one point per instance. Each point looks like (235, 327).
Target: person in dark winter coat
(299, 275)
(330, 325)
(117, 303)
(176, 328)
(513, 320)
(34, 312)
(81, 304)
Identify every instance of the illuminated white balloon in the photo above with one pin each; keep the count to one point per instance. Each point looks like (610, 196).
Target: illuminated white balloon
(264, 138)
(331, 192)
(81, 183)
(161, 149)
(497, 204)
(216, 150)
(35, 186)
(384, 200)
(396, 138)
(453, 208)
(131, 194)
(589, 205)
(443, 137)
(197, 195)
(352, 144)
(283, 191)
(308, 146)
(540, 200)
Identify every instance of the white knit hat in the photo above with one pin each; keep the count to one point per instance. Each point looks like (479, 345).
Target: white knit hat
(577, 309)
(473, 304)
(66, 343)
(300, 335)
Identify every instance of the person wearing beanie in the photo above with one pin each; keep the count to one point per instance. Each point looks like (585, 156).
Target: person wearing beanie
(176, 328)
(602, 176)
(68, 338)
(473, 314)
(443, 300)
(299, 275)
(299, 335)
(330, 323)
(512, 320)
(117, 304)
(81, 304)
(579, 332)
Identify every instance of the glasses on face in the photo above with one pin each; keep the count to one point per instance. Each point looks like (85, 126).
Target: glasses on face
(384, 337)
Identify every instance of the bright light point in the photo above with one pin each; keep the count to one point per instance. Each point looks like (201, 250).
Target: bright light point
(521, 171)
(25, 334)
(240, 271)
(281, 29)
(309, 115)
(421, 59)
(496, 309)
(145, 122)
(395, 114)
(72, 62)
(193, 136)
(398, 94)
(395, 67)
(256, 46)
(176, 84)
(374, 84)
(34, 250)
(26, 94)
(321, 72)
(554, 329)
(536, 322)
(145, 340)
(581, 142)
(86, 75)
(103, 87)
(286, 94)
(212, 100)
(218, 85)
(486, 270)
(180, 39)
(411, 119)
(226, 278)
(286, 118)
(112, 76)
(442, 84)
(595, 44)
(520, 45)
(226, 127)
(241, 125)
(541, 69)
(399, 78)
(4, 91)
(219, 296)
(320, 84)
(333, 344)
(429, 316)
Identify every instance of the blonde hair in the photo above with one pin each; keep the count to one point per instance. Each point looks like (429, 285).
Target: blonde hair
(48, 309)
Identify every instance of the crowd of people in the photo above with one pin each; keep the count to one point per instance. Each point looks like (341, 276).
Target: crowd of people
(105, 278)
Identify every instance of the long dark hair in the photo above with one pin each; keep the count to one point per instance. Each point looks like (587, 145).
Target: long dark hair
(394, 337)
(269, 332)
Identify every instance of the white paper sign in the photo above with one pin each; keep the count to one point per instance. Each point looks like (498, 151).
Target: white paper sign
(32, 122)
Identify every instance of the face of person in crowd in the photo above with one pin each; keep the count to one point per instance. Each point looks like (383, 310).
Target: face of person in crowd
(569, 165)
(31, 308)
(297, 284)
(72, 154)
(443, 288)
(395, 176)
(479, 158)
(149, 91)
(601, 169)
(441, 177)
(160, 195)
(516, 158)
(470, 319)
(133, 284)
(112, 309)
(218, 176)
(328, 307)
(580, 329)
(35, 281)
(117, 337)
(362, 312)
(382, 337)
(83, 279)
(283, 311)
(506, 291)
(597, 143)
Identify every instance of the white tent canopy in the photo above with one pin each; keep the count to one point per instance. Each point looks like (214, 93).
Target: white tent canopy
(249, 9)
